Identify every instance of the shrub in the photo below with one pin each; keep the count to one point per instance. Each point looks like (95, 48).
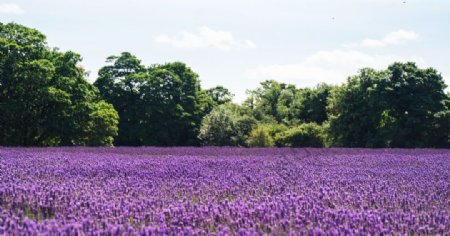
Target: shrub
(305, 135)
(260, 137)
(275, 129)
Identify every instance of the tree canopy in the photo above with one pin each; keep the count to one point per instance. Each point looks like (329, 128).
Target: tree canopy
(220, 95)
(160, 105)
(403, 106)
(44, 96)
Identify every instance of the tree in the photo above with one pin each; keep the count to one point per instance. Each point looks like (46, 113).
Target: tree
(439, 134)
(193, 101)
(219, 128)
(356, 109)
(244, 126)
(102, 126)
(285, 104)
(160, 106)
(220, 95)
(271, 101)
(44, 98)
(403, 106)
(226, 125)
(414, 97)
(311, 104)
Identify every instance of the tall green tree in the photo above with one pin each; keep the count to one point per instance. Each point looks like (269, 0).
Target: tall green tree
(193, 103)
(120, 84)
(403, 106)
(161, 105)
(415, 102)
(44, 96)
(356, 110)
(311, 104)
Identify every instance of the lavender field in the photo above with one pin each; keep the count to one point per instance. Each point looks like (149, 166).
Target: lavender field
(222, 191)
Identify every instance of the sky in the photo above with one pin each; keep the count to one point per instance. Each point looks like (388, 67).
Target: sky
(239, 43)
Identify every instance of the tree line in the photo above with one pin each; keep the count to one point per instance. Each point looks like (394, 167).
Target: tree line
(45, 100)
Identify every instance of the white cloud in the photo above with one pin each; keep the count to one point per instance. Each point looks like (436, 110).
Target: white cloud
(393, 38)
(356, 59)
(300, 74)
(334, 66)
(10, 8)
(205, 38)
(326, 66)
